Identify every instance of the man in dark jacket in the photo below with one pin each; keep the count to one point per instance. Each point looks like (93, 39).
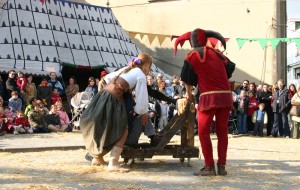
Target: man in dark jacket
(265, 97)
(11, 84)
(281, 107)
(245, 87)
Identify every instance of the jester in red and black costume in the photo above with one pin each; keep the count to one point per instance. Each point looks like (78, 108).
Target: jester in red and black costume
(205, 66)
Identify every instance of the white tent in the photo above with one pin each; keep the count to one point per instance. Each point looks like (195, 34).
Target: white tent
(35, 37)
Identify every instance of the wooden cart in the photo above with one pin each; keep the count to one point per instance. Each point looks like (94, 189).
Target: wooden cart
(186, 149)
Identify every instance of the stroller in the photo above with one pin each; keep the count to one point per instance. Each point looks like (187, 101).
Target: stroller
(79, 103)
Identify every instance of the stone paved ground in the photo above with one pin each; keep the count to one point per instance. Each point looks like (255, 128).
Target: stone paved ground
(253, 163)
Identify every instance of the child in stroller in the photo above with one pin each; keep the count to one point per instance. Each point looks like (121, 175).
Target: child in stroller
(79, 103)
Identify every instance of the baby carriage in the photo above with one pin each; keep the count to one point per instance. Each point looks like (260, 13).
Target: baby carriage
(79, 103)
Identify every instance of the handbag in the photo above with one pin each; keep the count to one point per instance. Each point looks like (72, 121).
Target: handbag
(295, 111)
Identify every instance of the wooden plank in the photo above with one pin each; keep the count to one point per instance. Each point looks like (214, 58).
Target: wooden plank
(190, 130)
(174, 119)
(171, 132)
(174, 150)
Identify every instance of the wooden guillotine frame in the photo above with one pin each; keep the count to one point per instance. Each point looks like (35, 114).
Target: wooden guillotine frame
(186, 149)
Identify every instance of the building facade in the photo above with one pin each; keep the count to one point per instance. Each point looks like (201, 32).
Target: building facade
(232, 18)
(293, 56)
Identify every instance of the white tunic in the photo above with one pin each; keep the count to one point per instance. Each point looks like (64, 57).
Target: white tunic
(136, 79)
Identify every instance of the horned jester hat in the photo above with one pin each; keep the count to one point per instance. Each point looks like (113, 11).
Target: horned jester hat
(198, 38)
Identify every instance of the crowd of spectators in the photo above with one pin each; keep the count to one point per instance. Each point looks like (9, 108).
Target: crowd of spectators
(32, 108)
(263, 106)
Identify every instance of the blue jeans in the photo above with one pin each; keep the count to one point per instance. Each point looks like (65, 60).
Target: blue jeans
(242, 122)
(281, 124)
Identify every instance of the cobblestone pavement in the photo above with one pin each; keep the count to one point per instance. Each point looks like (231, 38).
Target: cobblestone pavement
(253, 163)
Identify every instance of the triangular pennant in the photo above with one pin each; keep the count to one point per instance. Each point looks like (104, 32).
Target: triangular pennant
(285, 39)
(172, 37)
(226, 39)
(181, 43)
(161, 38)
(297, 41)
(141, 35)
(263, 42)
(151, 37)
(42, 1)
(213, 42)
(240, 42)
(132, 34)
(274, 42)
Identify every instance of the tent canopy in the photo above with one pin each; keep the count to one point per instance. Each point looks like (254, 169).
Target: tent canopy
(35, 38)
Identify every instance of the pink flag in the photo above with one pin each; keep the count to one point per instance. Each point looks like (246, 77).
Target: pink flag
(42, 1)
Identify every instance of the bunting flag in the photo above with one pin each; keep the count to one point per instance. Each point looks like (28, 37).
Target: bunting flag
(42, 1)
(274, 43)
(297, 41)
(151, 37)
(264, 41)
(240, 42)
(162, 37)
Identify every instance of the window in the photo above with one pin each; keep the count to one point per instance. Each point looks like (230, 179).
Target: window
(297, 25)
(297, 52)
(297, 73)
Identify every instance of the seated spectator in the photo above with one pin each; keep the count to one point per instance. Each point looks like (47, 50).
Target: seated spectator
(53, 120)
(64, 118)
(3, 122)
(21, 124)
(42, 107)
(10, 119)
(15, 103)
(55, 96)
(92, 87)
(37, 121)
(44, 93)
(30, 106)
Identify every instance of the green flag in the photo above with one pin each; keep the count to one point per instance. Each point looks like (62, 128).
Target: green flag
(240, 42)
(263, 42)
(297, 41)
(274, 42)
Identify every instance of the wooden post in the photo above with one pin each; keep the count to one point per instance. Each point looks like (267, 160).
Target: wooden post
(190, 129)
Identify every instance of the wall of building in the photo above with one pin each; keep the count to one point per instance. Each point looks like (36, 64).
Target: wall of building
(293, 53)
(232, 18)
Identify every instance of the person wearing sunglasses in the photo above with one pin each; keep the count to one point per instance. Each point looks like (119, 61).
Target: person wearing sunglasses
(245, 87)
